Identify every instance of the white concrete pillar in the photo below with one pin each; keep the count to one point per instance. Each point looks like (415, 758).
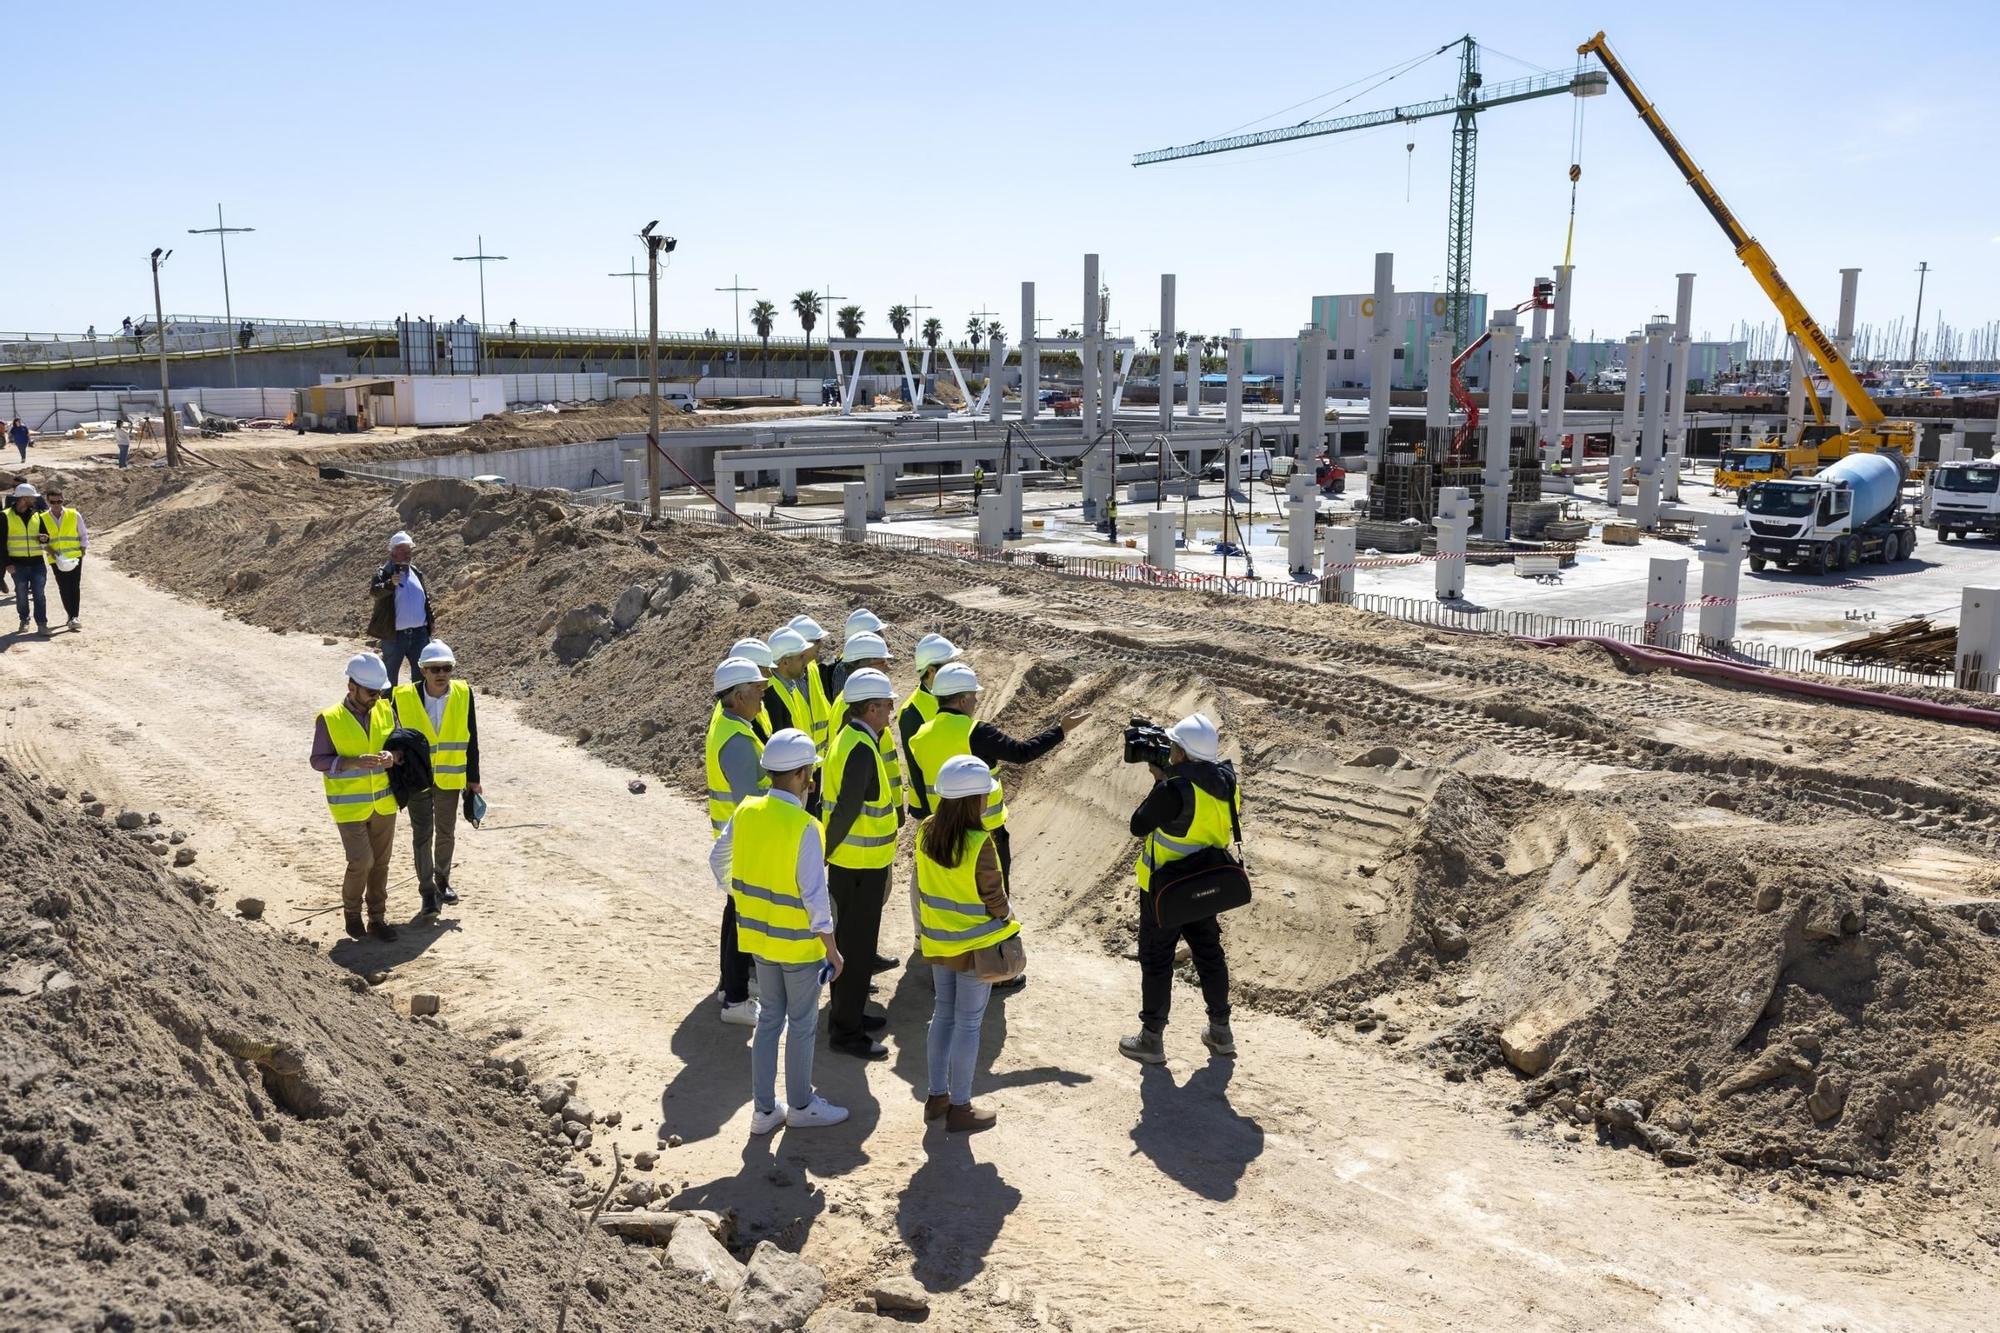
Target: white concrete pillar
(875, 478)
(854, 511)
(1088, 357)
(788, 484)
(1496, 477)
(1381, 356)
(1666, 598)
(1192, 482)
(1725, 539)
(1160, 538)
(1166, 351)
(1336, 564)
(1437, 395)
(1843, 337)
(1552, 420)
(1299, 522)
(1978, 657)
(1538, 355)
(1312, 391)
(1010, 493)
(1652, 424)
(1625, 439)
(1107, 386)
(1196, 349)
(1232, 392)
(1452, 523)
(1676, 437)
(725, 487)
(996, 369)
(1031, 361)
(992, 522)
(634, 471)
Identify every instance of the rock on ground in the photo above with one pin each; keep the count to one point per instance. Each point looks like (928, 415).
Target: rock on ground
(780, 1292)
(700, 1255)
(901, 1292)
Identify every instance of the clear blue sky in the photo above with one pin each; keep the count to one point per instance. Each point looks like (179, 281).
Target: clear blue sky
(943, 153)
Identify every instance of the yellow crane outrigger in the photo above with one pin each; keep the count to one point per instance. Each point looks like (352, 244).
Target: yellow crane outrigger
(1875, 432)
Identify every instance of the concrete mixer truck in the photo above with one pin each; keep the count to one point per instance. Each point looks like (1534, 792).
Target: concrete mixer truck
(1850, 512)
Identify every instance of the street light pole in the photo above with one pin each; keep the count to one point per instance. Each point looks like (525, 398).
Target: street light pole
(166, 389)
(634, 273)
(222, 234)
(1917, 324)
(483, 259)
(739, 289)
(654, 246)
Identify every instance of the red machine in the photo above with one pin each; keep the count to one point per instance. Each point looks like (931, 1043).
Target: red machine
(1541, 300)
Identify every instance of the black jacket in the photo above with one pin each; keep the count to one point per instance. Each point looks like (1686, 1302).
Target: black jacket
(1169, 806)
(990, 744)
(382, 615)
(411, 774)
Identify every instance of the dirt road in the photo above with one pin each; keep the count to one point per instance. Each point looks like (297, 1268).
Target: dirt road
(1313, 1183)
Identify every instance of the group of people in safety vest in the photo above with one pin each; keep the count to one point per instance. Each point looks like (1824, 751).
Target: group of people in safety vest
(812, 769)
(44, 534)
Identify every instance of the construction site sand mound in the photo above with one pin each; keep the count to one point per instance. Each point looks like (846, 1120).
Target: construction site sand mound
(1739, 929)
(207, 1124)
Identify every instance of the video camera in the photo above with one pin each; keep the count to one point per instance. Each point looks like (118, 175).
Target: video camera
(1146, 743)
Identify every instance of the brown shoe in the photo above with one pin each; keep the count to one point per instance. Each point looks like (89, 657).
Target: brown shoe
(355, 929)
(934, 1106)
(381, 930)
(968, 1119)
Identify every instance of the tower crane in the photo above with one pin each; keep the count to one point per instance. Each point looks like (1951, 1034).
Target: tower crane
(1474, 95)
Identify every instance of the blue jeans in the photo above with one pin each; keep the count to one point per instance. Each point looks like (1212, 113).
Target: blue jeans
(405, 646)
(32, 576)
(953, 1042)
(788, 1001)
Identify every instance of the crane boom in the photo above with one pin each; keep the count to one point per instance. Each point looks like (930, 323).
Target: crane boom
(1798, 321)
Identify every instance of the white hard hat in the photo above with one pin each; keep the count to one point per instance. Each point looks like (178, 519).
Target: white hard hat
(807, 628)
(866, 684)
(863, 620)
(865, 648)
(788, 750)
(955, 678)
(754, 649)
(1196, 734)
(964, 775)
(25, 491)
(367, 671)
(786, 642)
(933, 649)
(437, 650)
(400, 539)
(733, 671)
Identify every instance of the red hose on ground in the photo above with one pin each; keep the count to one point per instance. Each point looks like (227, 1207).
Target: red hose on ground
(1764, 680)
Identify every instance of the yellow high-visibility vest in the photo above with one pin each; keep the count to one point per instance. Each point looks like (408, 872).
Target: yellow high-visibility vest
(352, 797)
(892, 754)
(947, 736)
(1209, 828)
(951, 918)
(771, 920)
(722, 725)
(65, 533)
(822, 710)
(23, 534)
(807, 706)
(870, 843)
(450, 746)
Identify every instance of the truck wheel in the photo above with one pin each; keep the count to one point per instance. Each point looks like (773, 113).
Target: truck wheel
(1756, 564)
(1909, 544)
(1822, 560)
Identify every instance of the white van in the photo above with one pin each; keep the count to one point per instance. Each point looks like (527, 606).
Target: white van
(1256, 464)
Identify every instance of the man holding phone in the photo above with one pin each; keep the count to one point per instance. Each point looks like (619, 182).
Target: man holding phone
(401, 623)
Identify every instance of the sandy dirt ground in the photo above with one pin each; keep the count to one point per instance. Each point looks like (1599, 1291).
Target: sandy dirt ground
(1317, 1182)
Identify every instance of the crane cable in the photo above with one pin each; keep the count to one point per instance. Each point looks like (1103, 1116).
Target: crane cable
(1575, 166)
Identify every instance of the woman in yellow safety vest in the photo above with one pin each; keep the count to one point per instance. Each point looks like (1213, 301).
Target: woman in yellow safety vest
(962, 904)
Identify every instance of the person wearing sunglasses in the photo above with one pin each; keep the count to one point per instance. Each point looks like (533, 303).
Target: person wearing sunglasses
(350, 755)
(441, 711)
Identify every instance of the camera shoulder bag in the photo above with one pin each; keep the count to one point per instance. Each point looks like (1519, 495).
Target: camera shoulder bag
(1201, 883)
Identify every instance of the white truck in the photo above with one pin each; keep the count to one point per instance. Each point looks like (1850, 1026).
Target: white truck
(1963, 497)
(1852, 511)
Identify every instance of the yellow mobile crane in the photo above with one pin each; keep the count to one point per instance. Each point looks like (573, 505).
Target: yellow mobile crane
(1874, 433)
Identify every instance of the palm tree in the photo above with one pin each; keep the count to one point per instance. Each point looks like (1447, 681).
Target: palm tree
(1067, 332)
(1180, 340)
(994, 332)
(933, 332)
(763, 316)
(806, 305)
(899, 319)
(850, 318)
(974, 330)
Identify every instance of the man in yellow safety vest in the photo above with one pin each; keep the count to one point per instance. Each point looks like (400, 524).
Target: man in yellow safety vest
(441, 711)
(795, 698)
(769, 857)
(861, 824)
(1194, 803)
(349, 755)
(734, 759)
(69, 538)
(27, 540)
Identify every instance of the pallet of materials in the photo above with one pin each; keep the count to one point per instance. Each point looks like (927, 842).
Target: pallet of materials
(1388, 538)
(1915, 643)
(1621, 534)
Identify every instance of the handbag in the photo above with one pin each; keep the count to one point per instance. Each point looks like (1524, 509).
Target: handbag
(1203, 883)
(1002, 962)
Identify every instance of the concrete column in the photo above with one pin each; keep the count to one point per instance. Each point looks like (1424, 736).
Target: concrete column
(1031, 361)
(1495, 479)
(874, 477)
(1010, 493)
(1437, 396)
(1196, 348)
(1652, 424)
(725, 487)
(1452, 522)
(1232, 393)
(1299, 521)
(1088, 358)
(1666, 591)
(1538, 355)
(1381, 355)
(1160, 538)
(1843, 337)
(996, 367)
(992, 522)
(1312, 391)
(1166, 351)
(1724, 543)
(635, 480)
(1625, 439)
(1107, 387)
(1978, 656)
(1552, 420)
(1192, 482)
(1676, 438)
(788, 485)
(1336, 564)
(854, 511)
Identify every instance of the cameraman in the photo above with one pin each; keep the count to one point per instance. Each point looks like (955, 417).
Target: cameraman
(1189, 807)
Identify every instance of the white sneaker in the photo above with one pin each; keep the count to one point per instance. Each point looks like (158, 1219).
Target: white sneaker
(763, 1122)
(816, 1112)
(743, 1015)
(755, 989)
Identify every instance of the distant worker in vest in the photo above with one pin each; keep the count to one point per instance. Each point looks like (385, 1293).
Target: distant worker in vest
(27, 540)
(1111, 517)
(349, 754)
(401, 623)
(789, 702)
(978, 483)
(861, 826)
(964, 907)
(441, 711)
(770, 858)
(69, 538)
(734, 756)
(1194, 803)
